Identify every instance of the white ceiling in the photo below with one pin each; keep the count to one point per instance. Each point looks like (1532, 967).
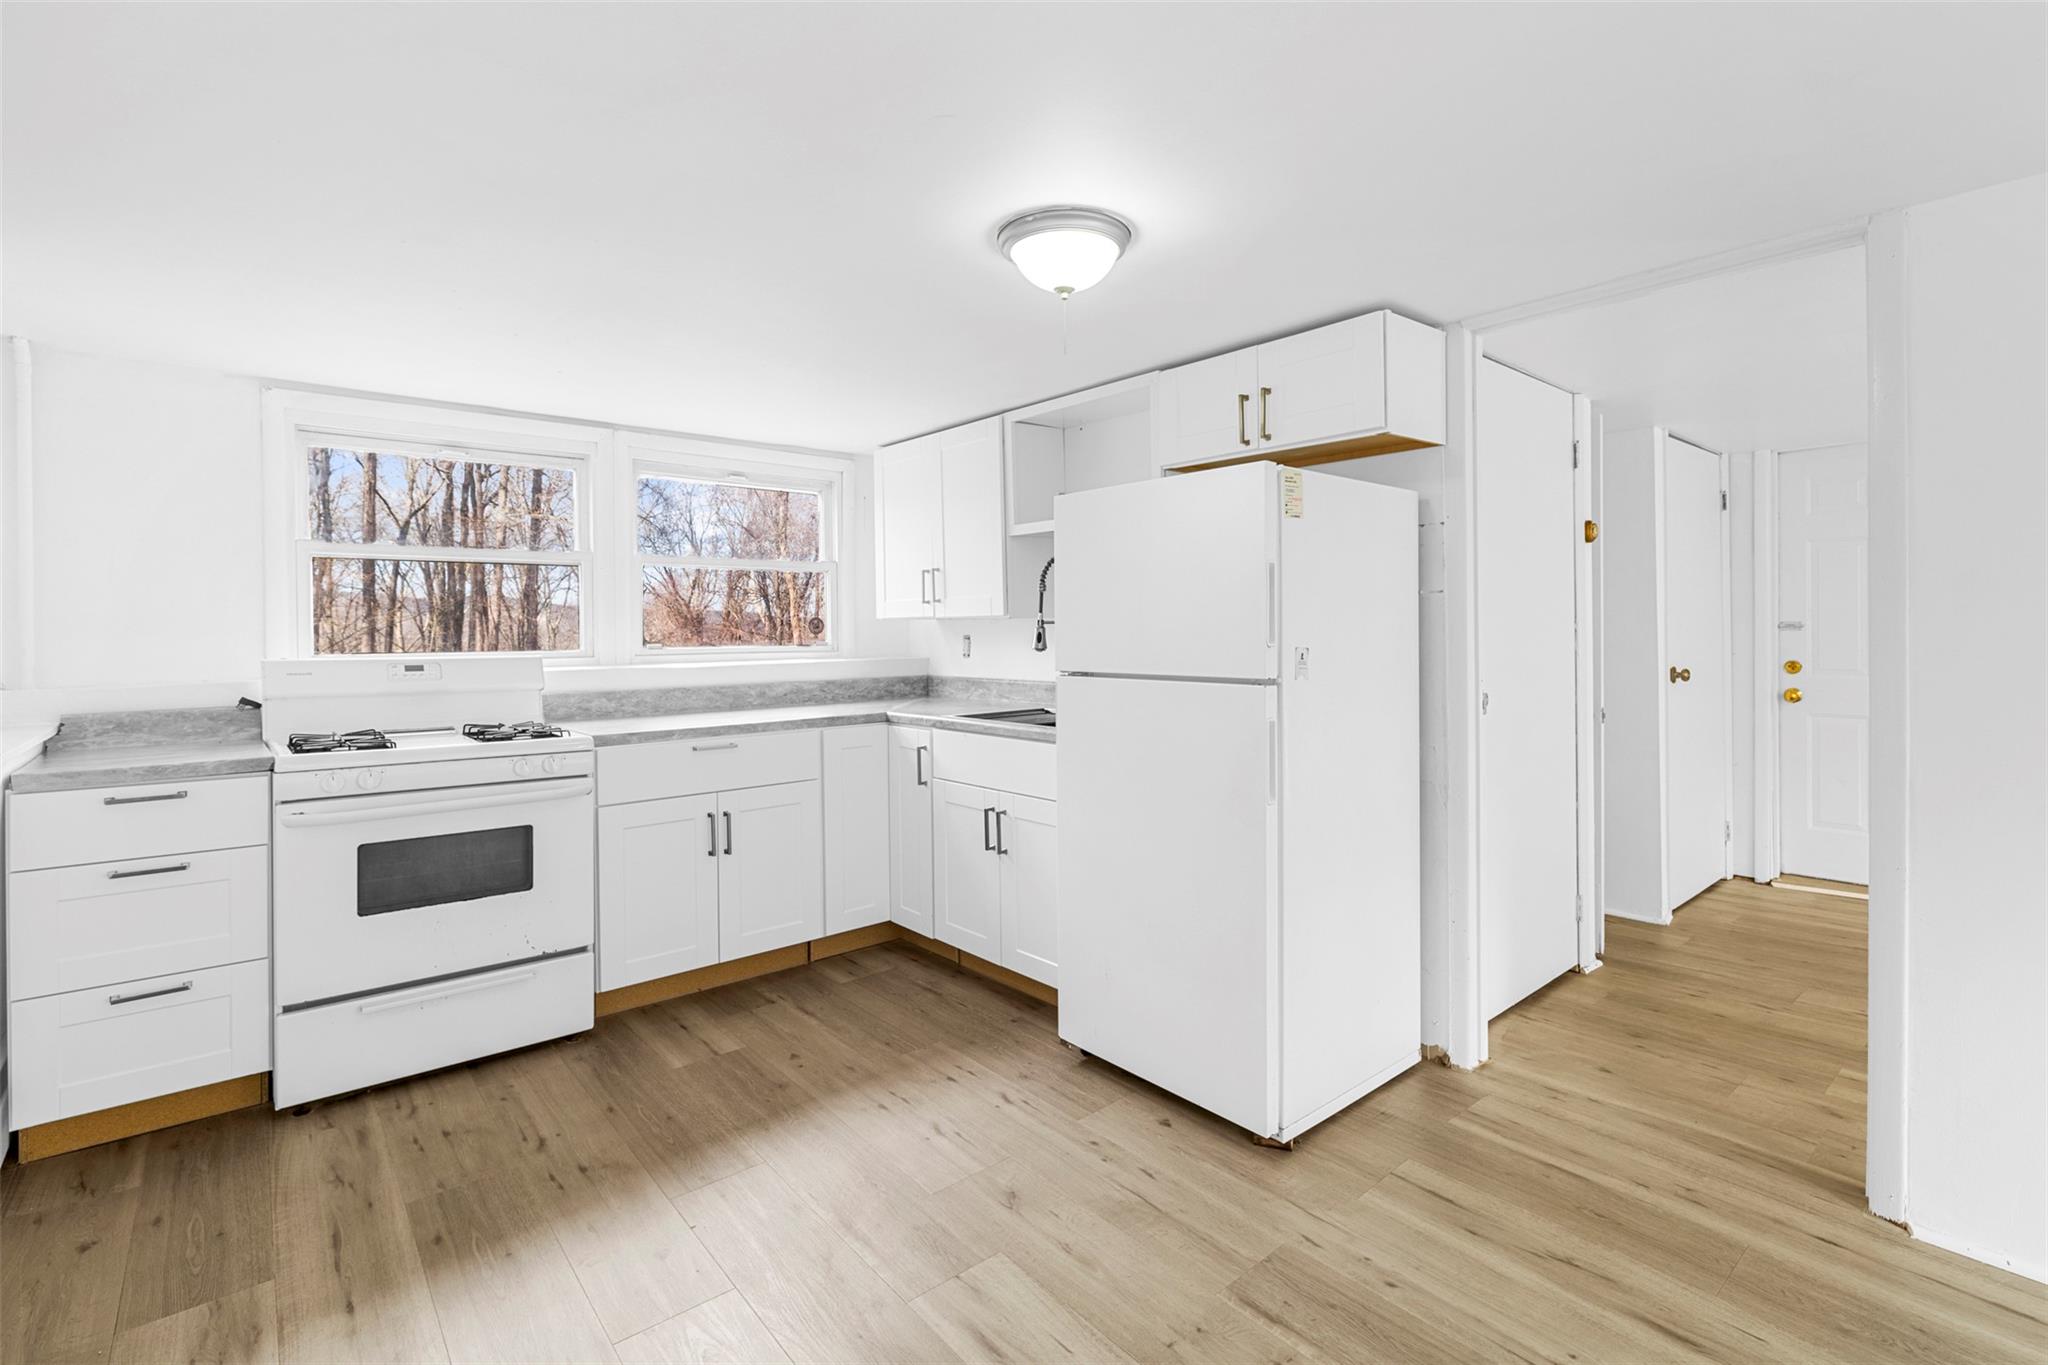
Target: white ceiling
(774, 221)
(1772, 358)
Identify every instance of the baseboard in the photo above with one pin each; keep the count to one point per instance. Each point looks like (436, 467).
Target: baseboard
(928, 945)
(1820, 886)
(1016, 981)
(853, 940)
(1618, 913)
(701, 979)
(143, 1116)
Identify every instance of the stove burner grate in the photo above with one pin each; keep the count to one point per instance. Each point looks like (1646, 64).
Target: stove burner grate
(526, 729)
(334, 743)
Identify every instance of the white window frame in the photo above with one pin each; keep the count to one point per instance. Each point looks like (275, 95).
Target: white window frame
(295, 420)
(717, 462)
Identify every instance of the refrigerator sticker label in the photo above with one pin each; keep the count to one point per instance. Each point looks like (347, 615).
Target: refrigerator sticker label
(1290, 492)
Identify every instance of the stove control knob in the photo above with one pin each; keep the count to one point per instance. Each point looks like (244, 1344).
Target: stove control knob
(333, 782)
(368, 779)
(522, 767)
(556, 762)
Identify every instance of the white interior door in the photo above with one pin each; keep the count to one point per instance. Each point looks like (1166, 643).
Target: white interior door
(1526, 590)
(906, 527)
(1696, 674)
(1823, 626)
(771, 873)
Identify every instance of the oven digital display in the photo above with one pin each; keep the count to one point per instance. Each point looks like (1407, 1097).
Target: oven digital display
(443, 869)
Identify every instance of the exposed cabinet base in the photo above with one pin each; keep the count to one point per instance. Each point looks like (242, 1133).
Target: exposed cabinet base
(1304, 457)
(143, 1116)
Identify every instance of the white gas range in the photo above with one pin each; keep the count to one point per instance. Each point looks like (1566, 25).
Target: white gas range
(432, 877)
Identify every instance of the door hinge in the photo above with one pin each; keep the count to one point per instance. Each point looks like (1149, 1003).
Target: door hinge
(1727, 832)
(1575, 452)
(1603, 715)
(1485, 700)
(1724, 500)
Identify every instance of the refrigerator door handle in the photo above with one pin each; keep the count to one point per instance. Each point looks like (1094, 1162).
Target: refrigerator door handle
(1272, 603)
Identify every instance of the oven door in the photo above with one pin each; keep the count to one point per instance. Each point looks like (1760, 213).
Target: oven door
(379, 891)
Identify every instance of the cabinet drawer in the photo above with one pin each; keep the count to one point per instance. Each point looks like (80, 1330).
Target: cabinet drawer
(73, 927)
(103, 824)
(1009, 765)
(332, 1049)
(685, 767)
(89, 1050)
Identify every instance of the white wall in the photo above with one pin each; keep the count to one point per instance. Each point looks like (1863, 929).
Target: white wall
(145, 580)
(1959, 764)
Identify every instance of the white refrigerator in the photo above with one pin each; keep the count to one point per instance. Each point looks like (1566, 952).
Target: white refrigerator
(1240, 796)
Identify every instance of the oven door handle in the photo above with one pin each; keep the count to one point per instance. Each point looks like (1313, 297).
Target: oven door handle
(349, 810)
(434, 995)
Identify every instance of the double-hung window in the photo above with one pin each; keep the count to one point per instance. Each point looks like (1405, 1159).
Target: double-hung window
(735, 560)
(412, 548)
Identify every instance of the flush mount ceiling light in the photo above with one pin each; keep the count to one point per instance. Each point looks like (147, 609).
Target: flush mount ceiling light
(1064, 249)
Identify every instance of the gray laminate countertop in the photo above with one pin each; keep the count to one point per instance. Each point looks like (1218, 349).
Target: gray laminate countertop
(120, 765)
(940, 713)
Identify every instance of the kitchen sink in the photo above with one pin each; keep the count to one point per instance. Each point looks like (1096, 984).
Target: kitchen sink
(1036, 715)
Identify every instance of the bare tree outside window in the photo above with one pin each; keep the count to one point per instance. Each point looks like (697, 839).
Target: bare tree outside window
(730, 564)
(384, 601)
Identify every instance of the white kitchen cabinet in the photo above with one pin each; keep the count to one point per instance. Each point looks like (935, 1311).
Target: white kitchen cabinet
(967, 902)
(771, 874)
(856, 827)
(1368, 385)
(907, 542)
(657, 889)
(1028, 854)
(910, 828)
(941, 532)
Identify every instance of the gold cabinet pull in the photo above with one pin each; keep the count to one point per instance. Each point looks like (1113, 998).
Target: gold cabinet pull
(1264, 433)
(1793, 694)
(1242, 439)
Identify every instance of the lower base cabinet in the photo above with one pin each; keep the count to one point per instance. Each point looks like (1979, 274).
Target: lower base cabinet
(856, 827)
(771, 868)
(996, 871)
(910, 829)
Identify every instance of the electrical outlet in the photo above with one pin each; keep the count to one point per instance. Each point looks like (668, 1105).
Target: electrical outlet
(967, 646)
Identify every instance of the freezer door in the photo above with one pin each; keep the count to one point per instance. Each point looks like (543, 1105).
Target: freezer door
(1172, 577)
(1168, 887)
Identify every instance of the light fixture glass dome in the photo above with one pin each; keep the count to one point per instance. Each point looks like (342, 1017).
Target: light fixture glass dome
(1064, 250)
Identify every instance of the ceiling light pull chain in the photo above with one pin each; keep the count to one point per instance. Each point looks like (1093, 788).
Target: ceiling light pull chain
(1066, 297)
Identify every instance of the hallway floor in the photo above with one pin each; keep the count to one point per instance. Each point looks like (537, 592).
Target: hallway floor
(880, 1157)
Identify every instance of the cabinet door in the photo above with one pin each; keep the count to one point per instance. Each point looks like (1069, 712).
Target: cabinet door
(975, 534)
(657, 889)
(910, 828)
(856, 827)
(1028, 852)
(771, 868)
(968, 893)
(1324, 384)
(1204, 411)
(906, 527)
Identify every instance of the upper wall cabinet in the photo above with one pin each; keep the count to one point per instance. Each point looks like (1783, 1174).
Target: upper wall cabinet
(1368, 386)
(940, 530)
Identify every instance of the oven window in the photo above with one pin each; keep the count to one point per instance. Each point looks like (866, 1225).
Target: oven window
(406, 874)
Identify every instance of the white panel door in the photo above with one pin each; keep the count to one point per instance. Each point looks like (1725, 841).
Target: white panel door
(975, 533)
(967, 891)
(1204, 411)
(1028, 851)
(1174, 577)
(1824, 615)
(771, 868)
(906, 527)
(1169, 922)
(910, 828)
(856, 776)
(1320, 385)
(1696, 699)
(1528, 759)
(657, 889)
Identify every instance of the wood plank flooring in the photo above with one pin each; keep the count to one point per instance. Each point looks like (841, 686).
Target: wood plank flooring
(895, 1160)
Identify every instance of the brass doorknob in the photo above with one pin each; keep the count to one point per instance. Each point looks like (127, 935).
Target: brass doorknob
(1679, 675)
(1793, 665)
(1793, 694)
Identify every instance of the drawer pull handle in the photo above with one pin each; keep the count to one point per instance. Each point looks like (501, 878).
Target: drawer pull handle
(701, 748)
(148, 995)
(921, 781)
(1001, 847)
(148, 871)
(728, 831)
(138, 800)
(449, 993)
(988, 843)
(712, 852)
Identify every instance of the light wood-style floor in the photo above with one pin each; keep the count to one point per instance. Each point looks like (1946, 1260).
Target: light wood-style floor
(881, 1158)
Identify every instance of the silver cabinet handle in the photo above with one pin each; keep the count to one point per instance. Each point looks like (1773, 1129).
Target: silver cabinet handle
(148, 871)
(728, 831)
(138, 800)
(988, 844)
(937, 596)
(712, 852)
(924, 586)
(148, 995)
(999, 831)
(706, 748)
(921, 781)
